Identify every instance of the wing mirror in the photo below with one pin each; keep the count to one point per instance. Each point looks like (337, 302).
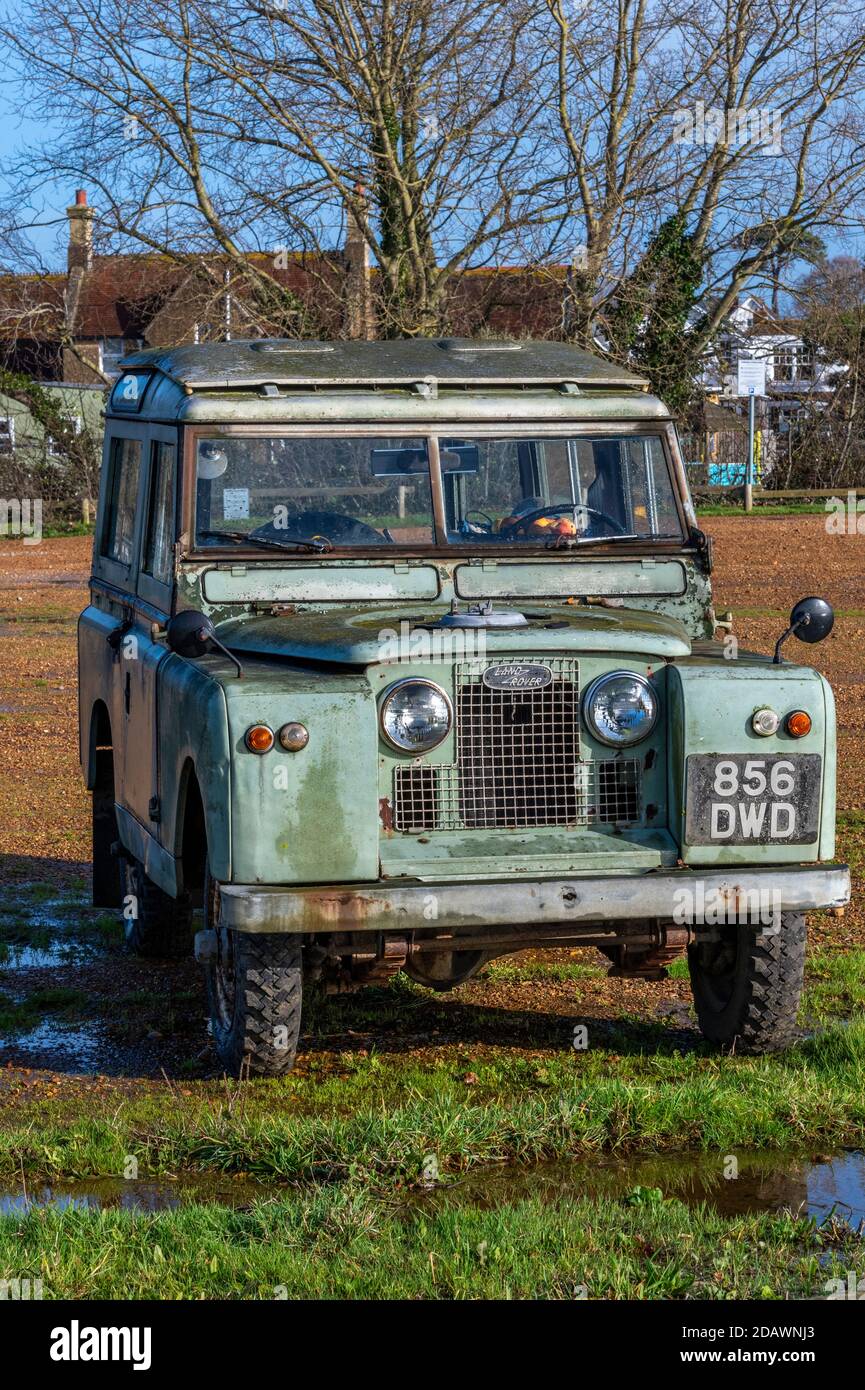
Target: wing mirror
(192, 634)
(811, 619)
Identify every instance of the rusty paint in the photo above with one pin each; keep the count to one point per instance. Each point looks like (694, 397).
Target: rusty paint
(385, 814)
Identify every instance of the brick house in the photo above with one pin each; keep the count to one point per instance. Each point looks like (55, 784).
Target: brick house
(75, 326)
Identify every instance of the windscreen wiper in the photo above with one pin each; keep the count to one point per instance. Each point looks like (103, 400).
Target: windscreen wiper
(318, 545)
(577, 542)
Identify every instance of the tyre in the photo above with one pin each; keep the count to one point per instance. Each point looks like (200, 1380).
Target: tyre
(747, 985)
(154, 923)
(107, 871)
(255, 992)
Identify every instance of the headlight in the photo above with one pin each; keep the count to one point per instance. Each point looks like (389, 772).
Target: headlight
(415, 716)
(620, 708)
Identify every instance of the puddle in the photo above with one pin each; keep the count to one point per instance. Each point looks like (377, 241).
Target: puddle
(58, 1046)
(150, 1194)
(764, 1182)
(19, 956)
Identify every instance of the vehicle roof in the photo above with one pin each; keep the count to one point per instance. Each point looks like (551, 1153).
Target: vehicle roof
(398, 362)
(409, 382)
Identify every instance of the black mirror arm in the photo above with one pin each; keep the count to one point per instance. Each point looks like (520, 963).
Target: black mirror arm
(794, 627)
(215, 642)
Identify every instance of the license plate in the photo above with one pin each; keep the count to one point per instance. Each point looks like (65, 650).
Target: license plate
(739, 800)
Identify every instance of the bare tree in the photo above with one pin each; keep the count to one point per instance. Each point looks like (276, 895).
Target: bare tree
(719, 118)
(645, 144)
(227, 127)
(825, 446)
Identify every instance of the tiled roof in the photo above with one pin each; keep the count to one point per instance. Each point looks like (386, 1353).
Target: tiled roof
(121, 296)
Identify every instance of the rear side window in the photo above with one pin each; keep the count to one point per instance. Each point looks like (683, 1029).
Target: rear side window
(160, 514)
(119, 525)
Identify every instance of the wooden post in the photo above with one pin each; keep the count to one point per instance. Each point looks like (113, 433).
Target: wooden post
(749, 475)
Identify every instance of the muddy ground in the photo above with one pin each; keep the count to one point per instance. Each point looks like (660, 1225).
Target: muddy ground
(73, 1005)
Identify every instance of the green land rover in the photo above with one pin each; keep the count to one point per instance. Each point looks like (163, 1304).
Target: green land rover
(402, 656)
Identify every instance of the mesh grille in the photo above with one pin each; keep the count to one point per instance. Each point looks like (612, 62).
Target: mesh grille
(517, 751)
(428, 797)
(518, 763)
(617, 786)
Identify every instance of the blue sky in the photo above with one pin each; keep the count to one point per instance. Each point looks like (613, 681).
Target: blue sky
(16, 133)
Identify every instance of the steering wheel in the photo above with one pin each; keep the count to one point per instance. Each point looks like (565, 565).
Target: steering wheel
(558, 509)
(336, 526)
(485, 520)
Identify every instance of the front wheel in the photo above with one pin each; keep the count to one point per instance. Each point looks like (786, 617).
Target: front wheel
(747, 984)
(255, 991)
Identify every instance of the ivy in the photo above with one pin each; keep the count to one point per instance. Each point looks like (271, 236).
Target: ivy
(650, 325)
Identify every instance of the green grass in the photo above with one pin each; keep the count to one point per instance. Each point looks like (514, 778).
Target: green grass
(380, 1119)
(836, 985)
(347, 1244)
(16, 1015)
(515, 970)
(762, 509)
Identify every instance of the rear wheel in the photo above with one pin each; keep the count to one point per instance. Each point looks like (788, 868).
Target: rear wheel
(154, 923)
(747, 985)
(255, 992)
(107, 875)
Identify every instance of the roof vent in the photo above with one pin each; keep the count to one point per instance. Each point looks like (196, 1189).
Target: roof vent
(296, 348)
(466, 345)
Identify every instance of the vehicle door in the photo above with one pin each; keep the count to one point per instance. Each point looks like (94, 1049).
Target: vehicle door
(145, 646)
(107, 622)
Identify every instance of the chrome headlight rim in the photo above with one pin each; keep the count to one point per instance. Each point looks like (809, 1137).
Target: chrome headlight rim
(387, 696)
(589, 695)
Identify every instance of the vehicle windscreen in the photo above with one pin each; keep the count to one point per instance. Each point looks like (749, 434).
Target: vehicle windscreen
(361, 491)
(550, 491)
(356, 491)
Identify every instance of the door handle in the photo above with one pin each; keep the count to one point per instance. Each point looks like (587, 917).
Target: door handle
(117, 634)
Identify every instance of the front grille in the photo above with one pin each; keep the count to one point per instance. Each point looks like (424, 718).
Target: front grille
(517, 752)
(518, 763)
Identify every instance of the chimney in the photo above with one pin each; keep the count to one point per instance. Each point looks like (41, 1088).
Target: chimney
(79, 254)
(355, 254)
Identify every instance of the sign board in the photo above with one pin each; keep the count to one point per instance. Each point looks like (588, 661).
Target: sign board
(750, 373)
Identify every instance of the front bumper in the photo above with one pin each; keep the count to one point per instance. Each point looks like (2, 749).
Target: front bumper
(682, 895)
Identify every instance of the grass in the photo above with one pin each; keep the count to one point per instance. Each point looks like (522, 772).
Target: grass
(348, 1244)
(381, 1119)
(836, 985)
(16, 1015)
(515, 970)
(354, 1135)
(763, 509)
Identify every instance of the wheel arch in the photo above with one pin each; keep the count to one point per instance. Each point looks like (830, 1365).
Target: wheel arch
(99, 739)
(190, 831)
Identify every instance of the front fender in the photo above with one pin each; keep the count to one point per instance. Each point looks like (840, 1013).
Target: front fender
(710, 704)
(193, 738)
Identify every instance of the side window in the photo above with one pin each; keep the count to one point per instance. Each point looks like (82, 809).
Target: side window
(118, 527)
(160, 514)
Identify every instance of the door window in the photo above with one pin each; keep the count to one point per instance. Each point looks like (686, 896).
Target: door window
(122, 495)
(160, 514)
